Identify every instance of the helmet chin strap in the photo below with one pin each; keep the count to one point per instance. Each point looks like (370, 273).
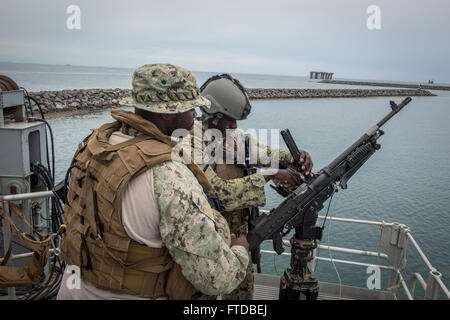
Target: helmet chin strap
(213, 117)
(216, 118)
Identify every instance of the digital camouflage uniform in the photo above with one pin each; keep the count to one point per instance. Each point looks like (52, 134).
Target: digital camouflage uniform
(237, 194)
(207, 260)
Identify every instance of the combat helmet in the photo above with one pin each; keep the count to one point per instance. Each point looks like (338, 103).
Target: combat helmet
(227, 96)
(164, 88)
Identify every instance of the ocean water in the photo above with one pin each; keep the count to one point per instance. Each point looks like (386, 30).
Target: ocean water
(407, 181)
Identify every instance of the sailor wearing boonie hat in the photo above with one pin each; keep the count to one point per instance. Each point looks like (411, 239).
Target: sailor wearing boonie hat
(139, 225)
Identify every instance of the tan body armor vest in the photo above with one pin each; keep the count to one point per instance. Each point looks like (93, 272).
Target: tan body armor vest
(95, 239)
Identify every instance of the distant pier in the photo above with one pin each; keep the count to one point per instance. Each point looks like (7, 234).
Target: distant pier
(321, 75)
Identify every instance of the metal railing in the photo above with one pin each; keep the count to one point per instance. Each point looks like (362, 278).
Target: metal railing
(431, 287)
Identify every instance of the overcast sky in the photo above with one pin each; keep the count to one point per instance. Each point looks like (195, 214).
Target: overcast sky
(268, 37)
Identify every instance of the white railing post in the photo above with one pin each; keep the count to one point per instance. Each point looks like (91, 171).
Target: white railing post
(432, 290)
(394, 239)
(412, 282)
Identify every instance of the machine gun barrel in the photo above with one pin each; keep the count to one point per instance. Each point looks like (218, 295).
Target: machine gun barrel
(301, 206)
(395, 109)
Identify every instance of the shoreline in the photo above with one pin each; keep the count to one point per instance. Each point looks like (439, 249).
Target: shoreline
(56, 114)
(72, 102)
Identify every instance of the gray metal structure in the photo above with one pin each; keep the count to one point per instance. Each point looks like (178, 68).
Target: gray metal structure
(22, 144)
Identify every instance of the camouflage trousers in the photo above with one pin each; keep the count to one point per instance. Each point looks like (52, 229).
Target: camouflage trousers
(237, 221)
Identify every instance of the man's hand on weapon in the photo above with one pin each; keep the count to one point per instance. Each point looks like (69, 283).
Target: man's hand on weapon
(241, 240)
(289, 179)
(305, 162)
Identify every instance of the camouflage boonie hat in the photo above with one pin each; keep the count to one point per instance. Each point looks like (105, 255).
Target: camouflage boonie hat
(164, 88)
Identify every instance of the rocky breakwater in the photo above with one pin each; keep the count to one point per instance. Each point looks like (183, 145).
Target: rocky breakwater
(84, 100)
(77, 100)
(332, 93)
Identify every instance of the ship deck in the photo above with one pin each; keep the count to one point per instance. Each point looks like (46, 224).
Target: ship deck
(267, 287)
